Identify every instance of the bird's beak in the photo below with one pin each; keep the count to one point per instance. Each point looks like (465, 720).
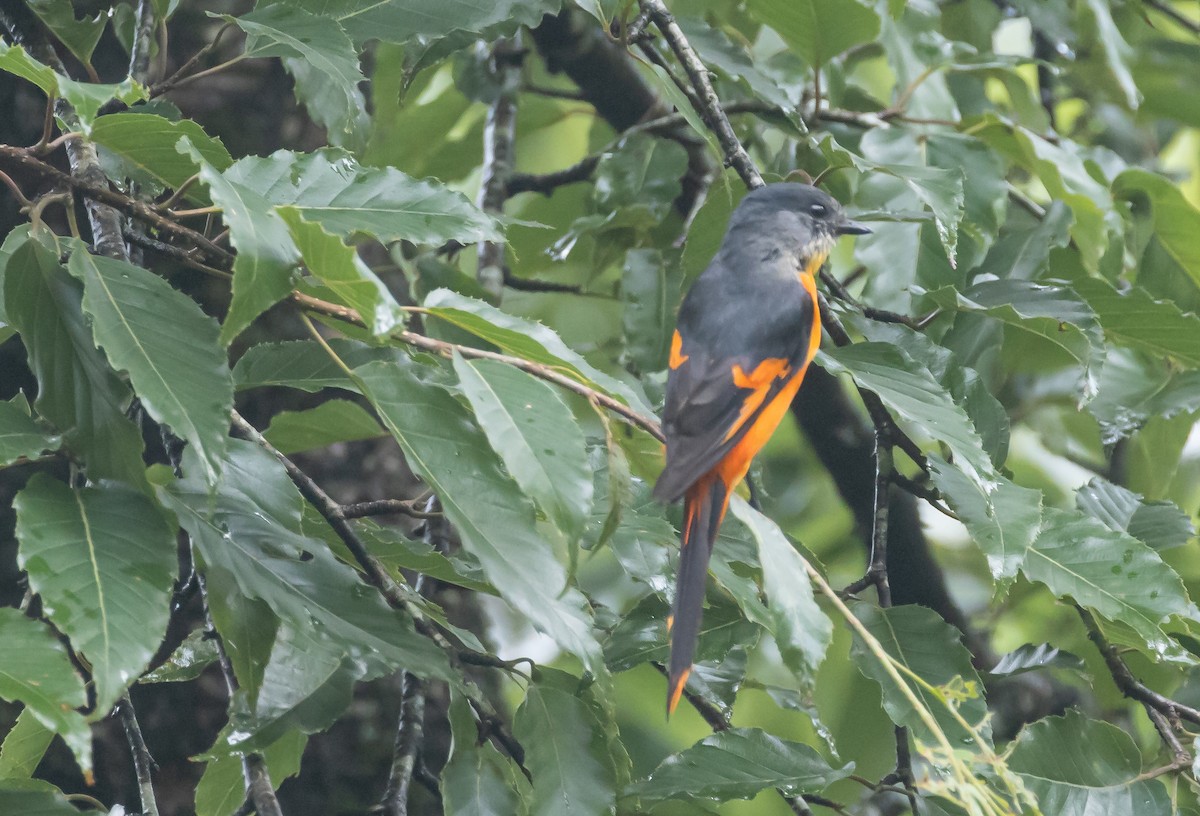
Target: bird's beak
(852, 228)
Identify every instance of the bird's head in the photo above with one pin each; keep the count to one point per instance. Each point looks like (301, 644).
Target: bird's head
(798, 218)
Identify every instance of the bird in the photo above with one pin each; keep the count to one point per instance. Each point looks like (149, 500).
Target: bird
(746, 332)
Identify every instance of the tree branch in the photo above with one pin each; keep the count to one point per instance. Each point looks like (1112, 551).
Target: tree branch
(499, 154)
(142, 762)
(408, 744)
(709, 106)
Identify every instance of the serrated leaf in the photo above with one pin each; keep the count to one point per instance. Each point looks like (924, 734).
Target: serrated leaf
(330, 187)
(1077, 766)
(1136, 387)
(347, 276)
(640, 636)
(642, 174)
(1002, 517)
(1176, 220)
(402, 20)
(266, 255)
(737, 764)
(146, 146)
(222, 788)
(801, 630)
(1116, 50)
(166, 344)
(535, 435)
(919, 401)
(304, 364)
(526, 339)
(918, 638)
(330, 422)
(447, 450)
(818, 30)
(559, 733)
(1136, 319)
(24, 746)
(1024, 253)
(249, 536)
(20, 436)
(77, 391)
(102, 559)
(1160, 524)
(78, 35)
(1111, 572)
(38, 672)
(1029, 658)
(85, 98)
(317, 52)
(1054, 312)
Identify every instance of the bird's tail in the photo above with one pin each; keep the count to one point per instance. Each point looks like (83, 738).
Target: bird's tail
(703, 509)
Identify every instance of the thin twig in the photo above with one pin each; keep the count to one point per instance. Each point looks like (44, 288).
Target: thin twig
(499, 154)
(709, 105)
(384, 507)
(184, 70)
(1129, 685)
(553, 93)
(1169, 11)
(142, 761)
(408, 744)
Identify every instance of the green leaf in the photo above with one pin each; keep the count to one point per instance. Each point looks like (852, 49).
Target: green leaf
(447, 450)
(476, 780)
(304, 364)
(1002, 517)
(1024, 253)
(328, 186)
(1136, 319)
(222, 788)
(146, 146)
(1116, 50)
(1029, 658)
(38, 672)
(20, 436)
(85, 98)
(1176, 220)
(1111, 572)
(197, 652)
(167, 345)
(640, 636)
(737, 764)
(79, 36)
(103, 560)
(1160, 524)
(920, 402)
(317, 52)
(1135, 387)
(1077, 766)
(266, 255)
(642, 174)
(918, 639)
(24, 746)
(33, 797)
(347, 276)
(77, 391)
(332, 421)
(535, 435)
(249, 540)
(801, 630)
(650, 295)
(818, 30)
(402, 20)
(526, 339)
(560, 735)
(1054, 312)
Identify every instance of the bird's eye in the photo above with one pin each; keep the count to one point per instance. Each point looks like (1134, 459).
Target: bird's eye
(818, 210)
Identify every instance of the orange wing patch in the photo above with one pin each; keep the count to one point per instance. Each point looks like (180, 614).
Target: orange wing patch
(678, 358)
(759, 380)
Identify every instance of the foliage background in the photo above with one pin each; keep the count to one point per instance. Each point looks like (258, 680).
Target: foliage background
(416, 180)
